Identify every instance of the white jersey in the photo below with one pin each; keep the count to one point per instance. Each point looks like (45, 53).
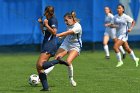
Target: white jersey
(73, 41)
(108, 30)
(109, 19)
(76, 37)
(122, 23)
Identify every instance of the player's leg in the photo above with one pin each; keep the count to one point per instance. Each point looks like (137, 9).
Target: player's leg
(123, 52)
(42, 58)
(116, 46)
(105, 43)
(72, 55)
(121, 49)
(47, 71)
(130, 51)
(60, 53)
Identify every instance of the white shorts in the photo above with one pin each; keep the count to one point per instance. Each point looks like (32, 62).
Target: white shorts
(110, 33)
(123, 37)
(68, 47)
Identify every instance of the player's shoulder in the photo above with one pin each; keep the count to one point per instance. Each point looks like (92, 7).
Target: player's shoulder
(110, 15)
(125, 16)
(77, 24)
(53, 18)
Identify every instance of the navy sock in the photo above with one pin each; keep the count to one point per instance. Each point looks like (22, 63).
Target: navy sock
(43, 80)
(48, 64)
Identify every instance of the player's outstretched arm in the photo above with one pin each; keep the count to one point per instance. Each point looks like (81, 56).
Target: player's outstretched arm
(65, 33)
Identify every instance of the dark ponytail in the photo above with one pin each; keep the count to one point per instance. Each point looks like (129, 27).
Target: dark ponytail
(49, 10)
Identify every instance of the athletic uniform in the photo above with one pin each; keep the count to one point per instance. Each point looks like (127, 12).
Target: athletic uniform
(122, 26)
(121, 23)
(111, 32)
(49, 44)
(73, 41)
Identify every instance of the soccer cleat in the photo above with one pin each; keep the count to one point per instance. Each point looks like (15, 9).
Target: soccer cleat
(137, 62)
(107, 57)
(62, 62)
(45, 89)
(124, 56)
(73, 83)
(119, 64)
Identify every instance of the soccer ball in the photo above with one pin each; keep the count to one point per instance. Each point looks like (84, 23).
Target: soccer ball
(34, 80)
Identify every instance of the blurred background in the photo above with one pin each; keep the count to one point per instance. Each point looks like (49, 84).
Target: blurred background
(19, 28)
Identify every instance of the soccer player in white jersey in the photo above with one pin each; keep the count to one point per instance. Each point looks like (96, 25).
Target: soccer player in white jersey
(110, 33)
(71, 45)
(120, 22)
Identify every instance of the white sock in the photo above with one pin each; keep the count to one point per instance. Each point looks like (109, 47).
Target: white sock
(122, 50)
(133, 55)
(47, 71)
(70, 72)
(119, 56)
(106, 50)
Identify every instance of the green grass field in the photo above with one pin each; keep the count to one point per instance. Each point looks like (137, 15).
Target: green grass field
(93, 73)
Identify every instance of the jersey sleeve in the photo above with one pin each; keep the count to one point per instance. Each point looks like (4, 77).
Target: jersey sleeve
(54, 23)
(76, 29)
(129, 19)
(111, 16)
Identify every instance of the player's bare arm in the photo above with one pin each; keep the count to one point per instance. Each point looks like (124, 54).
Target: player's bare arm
(52, 30)
(65, 33)
(132, 25)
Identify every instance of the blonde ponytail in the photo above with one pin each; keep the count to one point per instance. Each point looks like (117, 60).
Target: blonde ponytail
(74, 16)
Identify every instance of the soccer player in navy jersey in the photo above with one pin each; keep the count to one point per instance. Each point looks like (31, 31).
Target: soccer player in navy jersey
(49, 27)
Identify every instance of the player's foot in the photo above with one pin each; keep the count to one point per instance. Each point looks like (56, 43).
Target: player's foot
(119, 64)
(137, 62)
(73, 83)
(62, 62)
(107, 57)
(45, 89)
(123, 56)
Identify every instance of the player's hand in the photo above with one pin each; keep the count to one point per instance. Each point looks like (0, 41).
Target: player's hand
(129, 30)
(107, 25)
(40, 20)
(57, 35)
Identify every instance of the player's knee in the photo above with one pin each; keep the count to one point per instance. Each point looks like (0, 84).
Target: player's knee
(128, 49)
(69, 62)
(115, 47)
(104, 43)
(39, 65)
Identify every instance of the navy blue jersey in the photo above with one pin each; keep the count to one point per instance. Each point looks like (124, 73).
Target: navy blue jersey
(52, 22)
(49, 44)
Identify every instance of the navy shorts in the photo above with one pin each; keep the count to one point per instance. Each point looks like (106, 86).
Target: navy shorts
(49, 46)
